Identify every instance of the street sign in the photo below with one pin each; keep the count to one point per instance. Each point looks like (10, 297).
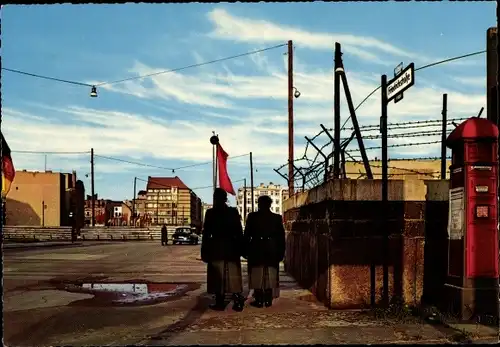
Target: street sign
(400, 83)
(397, 72)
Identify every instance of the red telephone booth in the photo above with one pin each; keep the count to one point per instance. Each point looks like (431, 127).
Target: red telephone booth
(472, 281)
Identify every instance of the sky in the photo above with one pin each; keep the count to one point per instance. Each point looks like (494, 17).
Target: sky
(166, 120)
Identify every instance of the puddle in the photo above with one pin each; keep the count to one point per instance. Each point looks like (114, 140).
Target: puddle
(125, 293)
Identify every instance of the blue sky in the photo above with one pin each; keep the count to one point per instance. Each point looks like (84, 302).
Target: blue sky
(167, 120)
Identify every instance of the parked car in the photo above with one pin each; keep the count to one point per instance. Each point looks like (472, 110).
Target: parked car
(184, 235)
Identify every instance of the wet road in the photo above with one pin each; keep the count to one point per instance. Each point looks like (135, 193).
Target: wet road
(48, 297)
(157, 296)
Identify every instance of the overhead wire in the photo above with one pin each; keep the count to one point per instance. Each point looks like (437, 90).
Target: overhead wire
(162, 167)
(46, 77)
(193, 65)
(142, 76)
(50, 152)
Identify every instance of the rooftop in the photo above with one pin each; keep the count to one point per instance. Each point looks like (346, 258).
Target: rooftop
(165, 182)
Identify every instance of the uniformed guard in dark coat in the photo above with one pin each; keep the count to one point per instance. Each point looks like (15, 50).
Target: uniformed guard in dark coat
(164, 235)
(264, 249)
(222, 240)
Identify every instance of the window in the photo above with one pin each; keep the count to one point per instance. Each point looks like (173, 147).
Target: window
(162, 190)
(149, 205)
(277, 210)
(149, 198)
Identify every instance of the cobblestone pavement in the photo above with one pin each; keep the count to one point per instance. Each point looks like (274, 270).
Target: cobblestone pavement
(42, 306)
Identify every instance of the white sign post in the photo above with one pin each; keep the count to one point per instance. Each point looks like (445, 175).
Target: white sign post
(401, 82)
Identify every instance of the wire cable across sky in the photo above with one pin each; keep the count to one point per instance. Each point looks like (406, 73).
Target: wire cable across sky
(163, 167)
(143, 76)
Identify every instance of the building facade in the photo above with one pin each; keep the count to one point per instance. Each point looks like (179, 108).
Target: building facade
(276, 192)
(101, 212)
(49, 199)
(205, 207)
(169, 201)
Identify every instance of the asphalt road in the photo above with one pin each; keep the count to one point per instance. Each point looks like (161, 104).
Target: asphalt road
(44, 303)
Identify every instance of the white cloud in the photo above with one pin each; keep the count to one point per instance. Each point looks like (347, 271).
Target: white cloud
(234, 28)
(472, 81)
(240, 29)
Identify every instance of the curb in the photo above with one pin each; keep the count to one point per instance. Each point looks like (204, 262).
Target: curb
(35, 245)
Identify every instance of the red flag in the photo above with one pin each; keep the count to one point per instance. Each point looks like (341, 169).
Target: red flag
(8, 171)
(224, 180)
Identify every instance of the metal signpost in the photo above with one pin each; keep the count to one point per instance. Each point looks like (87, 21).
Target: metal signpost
(404, 80)
(392, 89)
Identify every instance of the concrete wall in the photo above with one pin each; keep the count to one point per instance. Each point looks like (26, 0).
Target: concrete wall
(335, 234)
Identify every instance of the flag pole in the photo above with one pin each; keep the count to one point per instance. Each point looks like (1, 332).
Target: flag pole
(216, 162)
(251, 180)
(214, 140)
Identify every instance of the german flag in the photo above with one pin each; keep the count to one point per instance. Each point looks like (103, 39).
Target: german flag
(8, 171)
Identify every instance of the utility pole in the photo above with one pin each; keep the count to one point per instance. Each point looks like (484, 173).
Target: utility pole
(385, 191)
(92, 184)
(336, 111)
(290, 122)
(251, 180)
(443, 136)
(133, 200)
(157, 207)
(244, 200)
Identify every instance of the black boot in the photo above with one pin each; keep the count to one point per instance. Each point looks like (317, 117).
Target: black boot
(259, 298)
(239, 302)
(219, 303)
(268, 297)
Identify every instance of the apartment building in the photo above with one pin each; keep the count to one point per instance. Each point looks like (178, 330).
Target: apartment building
(276, 192)
(169, 201)
(49, 199)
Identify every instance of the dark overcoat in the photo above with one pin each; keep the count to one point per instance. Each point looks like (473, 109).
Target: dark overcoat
(221, 244)
(264, 247)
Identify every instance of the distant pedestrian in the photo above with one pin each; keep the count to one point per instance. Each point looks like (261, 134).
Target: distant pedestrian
(264, 249)
(164, 235)
(222, 238)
